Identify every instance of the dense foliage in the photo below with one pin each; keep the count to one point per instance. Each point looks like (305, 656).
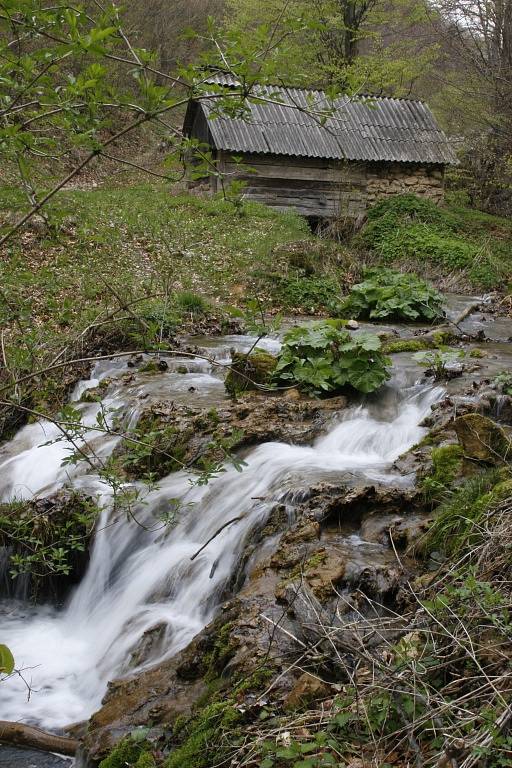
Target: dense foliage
(406, 229)
(385, 293)
(324, 358)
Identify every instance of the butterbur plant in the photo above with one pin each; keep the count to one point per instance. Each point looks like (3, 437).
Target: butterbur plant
(386, 294)
(322, 358)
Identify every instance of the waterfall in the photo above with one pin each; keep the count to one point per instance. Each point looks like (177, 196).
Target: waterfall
(140, 574)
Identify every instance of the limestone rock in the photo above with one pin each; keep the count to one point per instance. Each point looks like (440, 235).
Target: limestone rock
(324, 572)
(482, 439)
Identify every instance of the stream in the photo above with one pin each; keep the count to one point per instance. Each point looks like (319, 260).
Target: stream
(140, 572)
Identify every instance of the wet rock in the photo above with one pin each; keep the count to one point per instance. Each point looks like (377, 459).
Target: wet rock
(375, 528)
(409, 532)
(157, 696)
(296, 544)
(176, 434)
(352, 325)
(324, 571)
(154, 366)
(482, 439)
(453, 369)
(332, 504)
(150, 644)
(134, 361)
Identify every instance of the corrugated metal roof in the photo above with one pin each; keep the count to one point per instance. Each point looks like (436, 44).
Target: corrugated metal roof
(305, 123)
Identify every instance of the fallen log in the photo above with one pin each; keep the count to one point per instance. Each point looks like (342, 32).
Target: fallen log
(21, 735)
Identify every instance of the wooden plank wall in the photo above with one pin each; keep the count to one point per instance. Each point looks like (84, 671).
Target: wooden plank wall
(313, 187)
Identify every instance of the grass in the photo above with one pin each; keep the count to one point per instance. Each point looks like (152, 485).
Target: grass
(144, 235)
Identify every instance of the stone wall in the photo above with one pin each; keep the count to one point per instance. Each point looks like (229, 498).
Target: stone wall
(323, 188)
(385, 179)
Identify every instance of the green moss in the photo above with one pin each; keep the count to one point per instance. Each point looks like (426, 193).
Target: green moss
(254, 682)
(90, 396)
(442, 338)
(477, 353)
(129, 754)
(205, 733)
(153, 366)
(156, 449)
(447, 460)
(315, 560)
(223, 650)
(405, 345)
(406, 229)
(458, 523)
(447, 465)
(248, 371)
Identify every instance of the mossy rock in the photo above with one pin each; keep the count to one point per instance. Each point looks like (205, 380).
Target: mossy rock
(447, 467)
(204, 736)
(406, 345)
(157, 449)
(482, 439)
(249, 371)
(93, 395)
(154, 366)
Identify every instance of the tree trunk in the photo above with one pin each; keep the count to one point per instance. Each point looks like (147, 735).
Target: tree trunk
(22, 735)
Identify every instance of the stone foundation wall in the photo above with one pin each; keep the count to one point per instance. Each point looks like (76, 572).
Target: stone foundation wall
(386, 179)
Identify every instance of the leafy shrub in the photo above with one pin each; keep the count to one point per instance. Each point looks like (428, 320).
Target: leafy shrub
(405, 227)
(323, 358)
(47, 539)
(385, 293)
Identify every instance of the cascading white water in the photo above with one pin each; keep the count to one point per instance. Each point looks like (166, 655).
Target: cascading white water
(141, 577)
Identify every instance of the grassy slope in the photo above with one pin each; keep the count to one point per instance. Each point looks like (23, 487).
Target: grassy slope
(140, 239)
(128, 243)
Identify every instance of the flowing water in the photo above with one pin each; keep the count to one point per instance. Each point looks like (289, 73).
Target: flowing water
(141, 574)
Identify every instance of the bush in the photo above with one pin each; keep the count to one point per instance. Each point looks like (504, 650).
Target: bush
(407, 228)
(385, 293)
(323, 358)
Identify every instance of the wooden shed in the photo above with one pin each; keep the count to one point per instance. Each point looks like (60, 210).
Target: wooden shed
(324, 159)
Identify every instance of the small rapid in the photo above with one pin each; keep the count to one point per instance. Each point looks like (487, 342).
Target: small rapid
(141, 575)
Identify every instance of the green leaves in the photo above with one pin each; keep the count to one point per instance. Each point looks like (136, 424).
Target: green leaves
(385, 293)
(323, 358)
(6, 661)
(437, 360)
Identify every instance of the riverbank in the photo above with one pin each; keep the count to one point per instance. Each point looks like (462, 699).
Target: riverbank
(235, 641)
